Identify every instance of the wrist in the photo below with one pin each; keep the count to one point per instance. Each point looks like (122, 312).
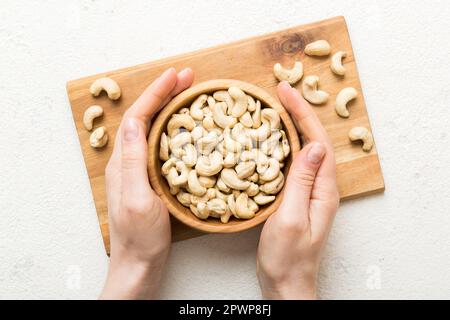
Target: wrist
(289, 293)
(131, 280)
(303, 288)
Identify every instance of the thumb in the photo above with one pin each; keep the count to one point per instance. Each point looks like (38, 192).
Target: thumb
(300, 180)
(135, 184)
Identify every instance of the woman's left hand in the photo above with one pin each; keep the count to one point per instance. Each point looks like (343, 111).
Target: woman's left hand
(138, 219)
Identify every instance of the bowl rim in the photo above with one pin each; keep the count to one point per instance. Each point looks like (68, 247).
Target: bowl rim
(158, 126)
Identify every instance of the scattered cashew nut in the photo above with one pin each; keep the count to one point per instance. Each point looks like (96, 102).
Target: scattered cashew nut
(290, 75)
(318, 48)
(109, 85)
(344, 97)
(98, 138)
(90, 114)
(363, 134)
(310, 90)
(336, 63)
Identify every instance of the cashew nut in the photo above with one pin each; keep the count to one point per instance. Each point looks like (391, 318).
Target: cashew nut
(285, 144)
(207, 182)
(274, 186)
(201, 215)
(184, 111)
(194, 185)
(336, 63)
(231, 159)
(203, 209)
(254, 177)
(363, 134)
(240, 101)
(256, 116)
(211, 193)
(251, 104)
(278, 153)
(220, 118)
(263, 199)
(290, 75)
(246, 120)
(208, 123)
(207, 144)
(226, 216)
(211, 102)
(245, 169)
(273, 117)
(171, 176)
(198, 132)
(180, 121)
(190, 155)
(90, 114)
(196, 107)
(195, 200)
(164, 147)
(168, 165)
(231, 202)
(178, 153)
(318, 48)
(252, 190)
(224, 96)
(109, 85)
(230, 144)
(209, 165)
(270, 143)
(220, 195)
(270, 171)
(239, 134)
(222, 186)
(231, 179)
(262, 132)
(184, 198)
(256, 155)
(218, 206)
(243, 210)
(180, 140)
(344, 97)
(176, 179)
(310, 90)
(98, 138)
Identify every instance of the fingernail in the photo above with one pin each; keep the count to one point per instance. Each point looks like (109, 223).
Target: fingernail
(286, 84)
(184, 71)
(130, 130)
(316, 153)
(165, 73)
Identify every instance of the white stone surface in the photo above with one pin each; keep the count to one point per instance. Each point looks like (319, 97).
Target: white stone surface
(392, 245)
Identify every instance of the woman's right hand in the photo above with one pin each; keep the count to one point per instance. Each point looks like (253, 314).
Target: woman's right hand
(293, 238)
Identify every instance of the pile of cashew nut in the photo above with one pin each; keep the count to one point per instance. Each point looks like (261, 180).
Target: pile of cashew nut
(223, 155)
(312, 93)
(99, 137)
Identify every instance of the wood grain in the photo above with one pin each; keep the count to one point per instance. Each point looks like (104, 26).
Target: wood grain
(251, 60)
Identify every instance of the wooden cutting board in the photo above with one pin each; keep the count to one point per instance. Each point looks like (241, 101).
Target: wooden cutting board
(358, 173)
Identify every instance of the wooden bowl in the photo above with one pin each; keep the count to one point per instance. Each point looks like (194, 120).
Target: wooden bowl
(159, 183)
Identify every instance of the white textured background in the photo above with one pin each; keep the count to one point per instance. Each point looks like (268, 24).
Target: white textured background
(395, 245)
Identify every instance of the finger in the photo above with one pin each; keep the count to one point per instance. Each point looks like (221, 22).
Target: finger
(134, 160)
(184, 80)
(300, 181)
(303, 114)
(150, 101)
(308, 123)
